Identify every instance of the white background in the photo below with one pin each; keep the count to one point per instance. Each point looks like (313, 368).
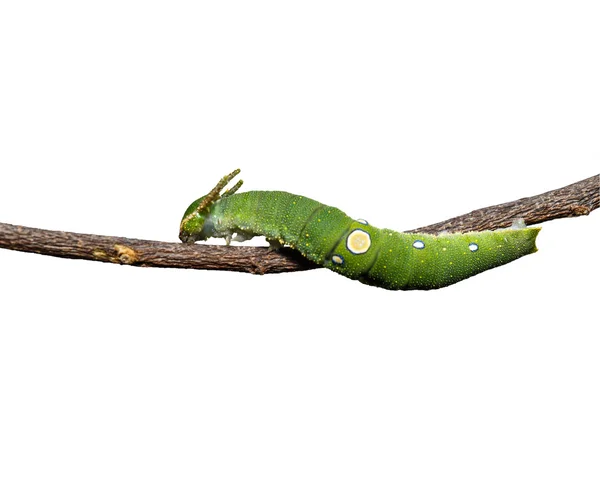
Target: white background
(114, 116)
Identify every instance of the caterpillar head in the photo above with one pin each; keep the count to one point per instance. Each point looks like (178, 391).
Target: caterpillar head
(196, 224)
(193, 223)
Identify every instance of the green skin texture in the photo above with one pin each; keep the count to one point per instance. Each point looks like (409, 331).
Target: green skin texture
(320, 232)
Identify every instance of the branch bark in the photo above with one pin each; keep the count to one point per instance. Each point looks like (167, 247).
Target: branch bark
(578, 199)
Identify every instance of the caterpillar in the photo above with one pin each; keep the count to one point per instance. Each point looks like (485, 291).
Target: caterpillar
(351, 247)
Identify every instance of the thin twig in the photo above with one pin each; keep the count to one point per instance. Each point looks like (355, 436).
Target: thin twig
(578, 199)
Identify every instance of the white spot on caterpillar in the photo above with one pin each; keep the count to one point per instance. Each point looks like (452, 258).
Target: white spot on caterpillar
(337, 259)
(362, 222)
(358, 242)
(418, 244)
(473, 247)
(518, 224)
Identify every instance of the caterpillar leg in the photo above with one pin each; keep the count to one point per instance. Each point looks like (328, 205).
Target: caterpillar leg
(242, 236)
(274, 244)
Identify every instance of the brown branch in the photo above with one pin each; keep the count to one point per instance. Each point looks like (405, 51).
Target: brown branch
(578, 199)
(114, 249)
(574, 200)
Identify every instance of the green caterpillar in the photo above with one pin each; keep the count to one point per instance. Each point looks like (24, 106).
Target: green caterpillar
(353, 248)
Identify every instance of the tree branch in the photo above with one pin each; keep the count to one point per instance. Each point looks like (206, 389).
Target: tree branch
(578, 199)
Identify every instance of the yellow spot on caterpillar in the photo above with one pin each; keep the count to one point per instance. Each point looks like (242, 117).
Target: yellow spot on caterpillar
(358, 242)
(307, 235)
(450, 262)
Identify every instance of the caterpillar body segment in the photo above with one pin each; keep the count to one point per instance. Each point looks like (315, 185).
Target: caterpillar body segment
(352, 247)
